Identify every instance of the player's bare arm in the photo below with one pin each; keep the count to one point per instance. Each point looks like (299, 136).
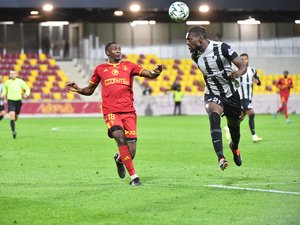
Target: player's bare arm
(89, 90)
(242, 68)
(152, 74)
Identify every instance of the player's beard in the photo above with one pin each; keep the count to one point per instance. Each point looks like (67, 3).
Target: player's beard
(117, 58)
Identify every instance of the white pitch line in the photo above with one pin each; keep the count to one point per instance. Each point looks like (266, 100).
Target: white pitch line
(270, 183)
(254, 189)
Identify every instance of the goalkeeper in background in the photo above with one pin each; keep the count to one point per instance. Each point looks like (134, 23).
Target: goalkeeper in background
(13, 90)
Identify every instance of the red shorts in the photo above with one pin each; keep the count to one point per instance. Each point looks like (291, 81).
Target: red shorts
(284, 98)
(125, 120)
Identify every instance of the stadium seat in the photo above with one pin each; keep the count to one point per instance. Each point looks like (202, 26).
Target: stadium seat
(187, 73)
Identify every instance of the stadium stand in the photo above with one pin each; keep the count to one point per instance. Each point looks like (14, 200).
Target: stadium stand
(41, 73)
(185, 72)
(47, 80)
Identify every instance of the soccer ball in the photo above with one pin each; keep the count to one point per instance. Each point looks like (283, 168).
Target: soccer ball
(179, 11)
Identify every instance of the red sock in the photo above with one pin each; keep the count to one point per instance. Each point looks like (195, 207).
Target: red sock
(126, 159)
(285, 111)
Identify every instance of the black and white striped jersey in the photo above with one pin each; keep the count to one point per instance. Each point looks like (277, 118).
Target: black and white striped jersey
(246, 83)
(215, 64)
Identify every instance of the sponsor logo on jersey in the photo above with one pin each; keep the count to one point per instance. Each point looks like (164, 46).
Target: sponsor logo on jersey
(116, 81)
(115, 72)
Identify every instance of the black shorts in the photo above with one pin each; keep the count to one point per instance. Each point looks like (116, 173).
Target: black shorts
(2, 108)
(177, 103)
(14, 106)
(231, 106)
(246, 104)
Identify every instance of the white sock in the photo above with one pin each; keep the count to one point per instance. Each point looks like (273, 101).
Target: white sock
(134, 176)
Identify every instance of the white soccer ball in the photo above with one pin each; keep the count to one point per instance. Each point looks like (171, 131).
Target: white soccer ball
(179, 11)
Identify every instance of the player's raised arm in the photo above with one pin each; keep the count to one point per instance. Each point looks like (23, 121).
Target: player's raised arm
(89, 90)
(153, 73)
(242, 68)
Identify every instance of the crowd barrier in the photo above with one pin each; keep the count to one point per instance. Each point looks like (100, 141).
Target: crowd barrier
(151, 106)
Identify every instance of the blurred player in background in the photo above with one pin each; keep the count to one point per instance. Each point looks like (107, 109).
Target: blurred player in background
(177, 96)
(221, 96)
(2, 108)
(14, 89)
(116, 78)
(246, 93)
(284, 84)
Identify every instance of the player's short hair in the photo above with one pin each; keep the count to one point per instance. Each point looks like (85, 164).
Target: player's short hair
(285, 72)
(109, 44)
(198, 30)
(244, 54)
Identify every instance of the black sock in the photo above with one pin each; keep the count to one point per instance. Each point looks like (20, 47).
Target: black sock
(235, 136)
(1, 117)
(12, 125)
(251, 123)
(216, 133)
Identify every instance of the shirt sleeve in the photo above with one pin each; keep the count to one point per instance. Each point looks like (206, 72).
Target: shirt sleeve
(137, 69)
(4, 90)
(256, 76)
(291, 83)
(228, 52)
(95, 79)
(25, 87)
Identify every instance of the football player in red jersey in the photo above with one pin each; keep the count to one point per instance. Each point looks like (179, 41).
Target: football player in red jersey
(116, 78)
(284, 84)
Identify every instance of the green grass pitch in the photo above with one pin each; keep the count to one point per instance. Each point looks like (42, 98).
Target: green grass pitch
(61, 171)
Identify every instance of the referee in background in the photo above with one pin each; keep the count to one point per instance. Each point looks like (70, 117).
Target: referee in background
(13, 90)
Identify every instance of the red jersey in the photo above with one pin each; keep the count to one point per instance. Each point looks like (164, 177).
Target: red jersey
(116, 85)
(284, 85)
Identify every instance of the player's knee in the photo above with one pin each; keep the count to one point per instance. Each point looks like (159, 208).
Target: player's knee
(117, 132)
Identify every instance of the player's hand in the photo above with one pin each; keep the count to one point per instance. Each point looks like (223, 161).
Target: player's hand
(158, 69)
(25, 96)
(234, 74)
(71, 86)
(2, 98)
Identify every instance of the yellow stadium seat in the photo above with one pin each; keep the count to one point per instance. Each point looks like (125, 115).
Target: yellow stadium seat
(49, 84)
(42, 56)
(56, 95)
(70, 95)
(22, 56)
(51, 78)
(34, 73)
(31, 79)
(46, 90)
(62, 84)
(37, 96)
(33, 62)
(43, 67)
(30, 84)
(17, 67)
(20, 62)
(5, 78)
(52, 62)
